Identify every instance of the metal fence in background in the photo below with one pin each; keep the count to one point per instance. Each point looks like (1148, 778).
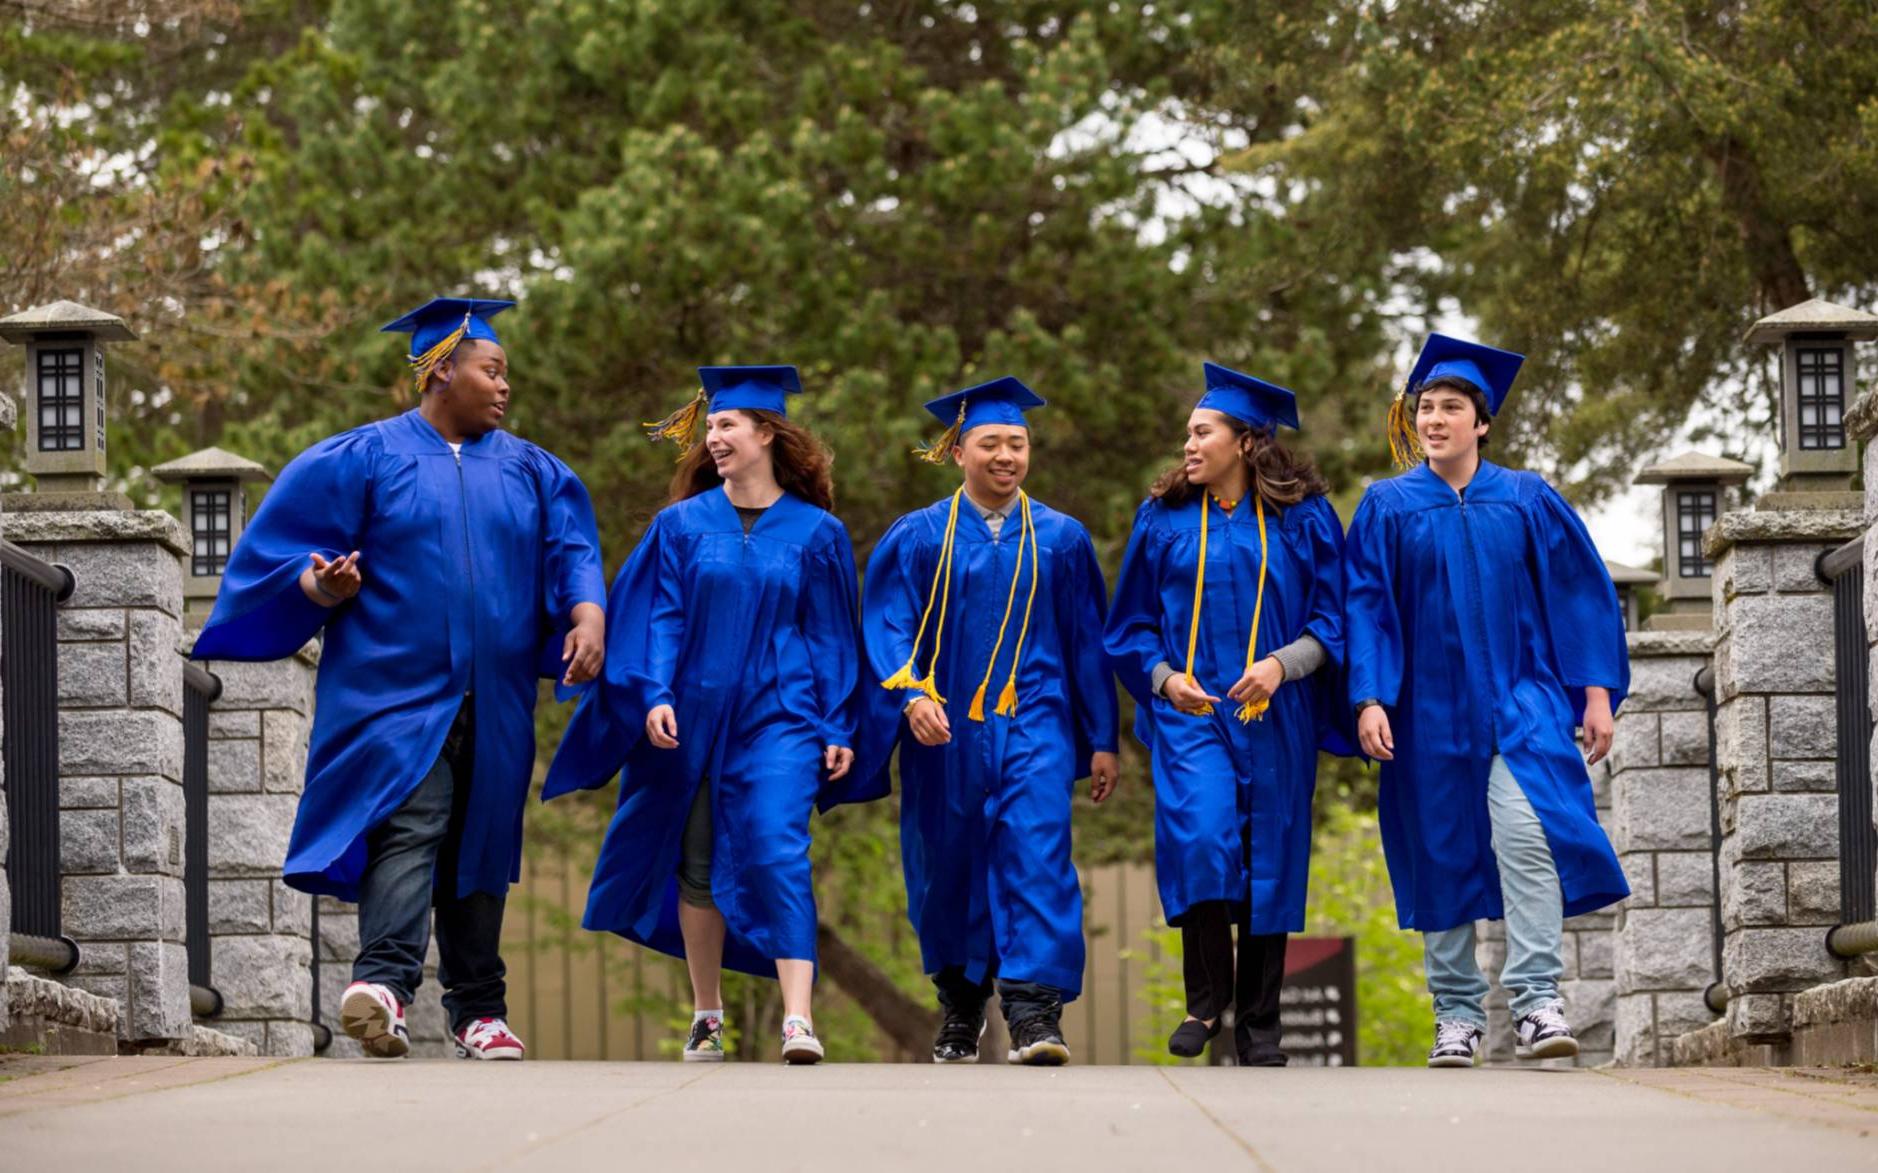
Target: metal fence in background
(1844, 570)
(200, 689)
(30, 593)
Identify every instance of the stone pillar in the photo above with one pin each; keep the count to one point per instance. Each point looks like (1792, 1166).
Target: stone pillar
(260, 928)
(1585, 985)
(8, 415)
(1663, 945)
(1776, 745)
(121, 757)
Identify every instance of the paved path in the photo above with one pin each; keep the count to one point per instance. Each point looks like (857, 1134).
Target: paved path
(154, 1115)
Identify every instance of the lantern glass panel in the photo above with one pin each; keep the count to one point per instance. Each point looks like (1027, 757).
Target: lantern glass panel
(1820, 372)
(210, 516)
(1695, 512)
(61, 399)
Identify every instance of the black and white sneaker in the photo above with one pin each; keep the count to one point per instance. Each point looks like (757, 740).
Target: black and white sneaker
(1039, 1043)
(1544, 1034)
(958, 1038)
(1457, 1044)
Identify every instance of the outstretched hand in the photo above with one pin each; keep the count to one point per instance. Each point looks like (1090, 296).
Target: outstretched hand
(330, 583)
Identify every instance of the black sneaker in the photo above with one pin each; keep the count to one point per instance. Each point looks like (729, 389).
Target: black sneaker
(1258, 1048)
(1457, 1044)
(958, 1038)
(1038, 1042)
(1544, 1034)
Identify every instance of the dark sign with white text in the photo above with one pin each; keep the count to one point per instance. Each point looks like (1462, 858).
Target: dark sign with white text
(1317, 1008)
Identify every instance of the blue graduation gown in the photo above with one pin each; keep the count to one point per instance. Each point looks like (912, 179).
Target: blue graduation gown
(471, 569)
(1479, 619)
(985, 820)
(753, 640)
(1232, 816)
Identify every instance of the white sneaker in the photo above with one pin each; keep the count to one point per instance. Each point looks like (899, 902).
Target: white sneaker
(1457, 1044)
(799, 1044)
(371, 1014)
(488, 1038)
(1544, 1034)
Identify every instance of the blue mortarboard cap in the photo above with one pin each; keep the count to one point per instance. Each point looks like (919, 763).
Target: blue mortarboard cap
(750, 388)
(1001, 401)
(1248, 400)
(441, 317)
(1487, 368)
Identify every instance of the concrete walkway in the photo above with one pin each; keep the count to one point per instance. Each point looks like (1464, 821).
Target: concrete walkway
(154, 1115)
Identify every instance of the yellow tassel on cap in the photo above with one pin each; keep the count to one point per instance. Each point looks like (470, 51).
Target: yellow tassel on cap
(1255, 710)
(423, 364)
(941, 593)
(1405, 447)
(937, 451)
(683, 427)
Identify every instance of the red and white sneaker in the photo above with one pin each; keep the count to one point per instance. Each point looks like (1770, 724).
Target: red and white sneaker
(488, 1038)
(371, 1014)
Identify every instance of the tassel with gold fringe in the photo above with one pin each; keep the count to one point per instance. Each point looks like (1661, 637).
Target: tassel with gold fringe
(1405, 447)
(1007, 699)
(1255, 710)
(940, 592)
(935, 452)
(683, 427)
(423, 364)
(977, 710)
(1199, 591)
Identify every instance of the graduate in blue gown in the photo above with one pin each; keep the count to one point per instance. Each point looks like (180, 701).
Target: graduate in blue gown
(983, 616)
(1483, 628)
(726, 706)
(1228, 631)
(449, 564)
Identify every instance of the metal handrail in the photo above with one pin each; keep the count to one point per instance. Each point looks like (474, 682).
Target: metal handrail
(205, 1001)
(54, 576)
(1837, 561)
(203, 681)
(1849, 941)
(58, 956)
(1716, 996)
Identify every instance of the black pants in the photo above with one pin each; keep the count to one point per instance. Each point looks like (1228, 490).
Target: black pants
(411, 864)
(1212, 985)
(1022, 1001)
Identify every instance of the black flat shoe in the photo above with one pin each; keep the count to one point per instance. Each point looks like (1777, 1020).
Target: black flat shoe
(1259, 1048)
(1190, 1038)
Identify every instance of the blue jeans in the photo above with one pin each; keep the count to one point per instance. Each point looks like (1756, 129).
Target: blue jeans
(1535, 917)
(411, 864)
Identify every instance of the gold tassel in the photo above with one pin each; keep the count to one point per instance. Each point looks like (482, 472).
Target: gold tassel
(1007, 699)
(1199, 590)
(1405, 447)
(683, 427)
(941, 592)
(937, 451)
(1255, 710)
(977, 711)
(423, 364)
(1010, 600)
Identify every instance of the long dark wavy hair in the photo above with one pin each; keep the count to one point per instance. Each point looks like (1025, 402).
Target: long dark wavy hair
(1282, 477)
(804, 465)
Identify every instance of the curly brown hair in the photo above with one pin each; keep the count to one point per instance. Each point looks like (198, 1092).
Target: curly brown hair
(1282, 477)
(804, 465)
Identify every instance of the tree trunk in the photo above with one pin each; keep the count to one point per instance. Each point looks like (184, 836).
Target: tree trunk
(1778, 277)
(910, 1024)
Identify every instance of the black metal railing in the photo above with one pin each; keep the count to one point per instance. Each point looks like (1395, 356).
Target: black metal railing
(1715, 997)
(200, 689)
(1844, 570)
(322, 1034)
(30, 593)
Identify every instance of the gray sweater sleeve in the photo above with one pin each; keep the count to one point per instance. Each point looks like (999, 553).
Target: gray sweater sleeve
(1301, 657)
(1162, 671)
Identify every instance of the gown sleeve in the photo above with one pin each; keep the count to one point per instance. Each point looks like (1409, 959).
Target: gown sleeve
(1133, 635)
(570, 560)
(1081, 614)
(1324, 622)
(645, 632)
(1372, 628)
(318, 505)
(1582, 616)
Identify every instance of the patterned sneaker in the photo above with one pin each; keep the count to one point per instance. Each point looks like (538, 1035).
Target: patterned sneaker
(799, 1044)
(1544, 1034)
(958, 1038)
(706, 1044)
(1038, 1042)
(1457, 1044)
(488, 1038)
(370, 1013)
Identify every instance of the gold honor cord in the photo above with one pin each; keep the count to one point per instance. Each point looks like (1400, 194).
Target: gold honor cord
(423, 364)
(940, 591)
(1249, 711)
(1007, 699)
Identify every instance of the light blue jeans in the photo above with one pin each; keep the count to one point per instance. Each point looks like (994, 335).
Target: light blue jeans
(1535, 917)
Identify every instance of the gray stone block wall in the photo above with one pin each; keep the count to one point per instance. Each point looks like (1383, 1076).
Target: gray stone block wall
(120, 758)
(1775, 745)
(1663, 942)
(260, 929)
